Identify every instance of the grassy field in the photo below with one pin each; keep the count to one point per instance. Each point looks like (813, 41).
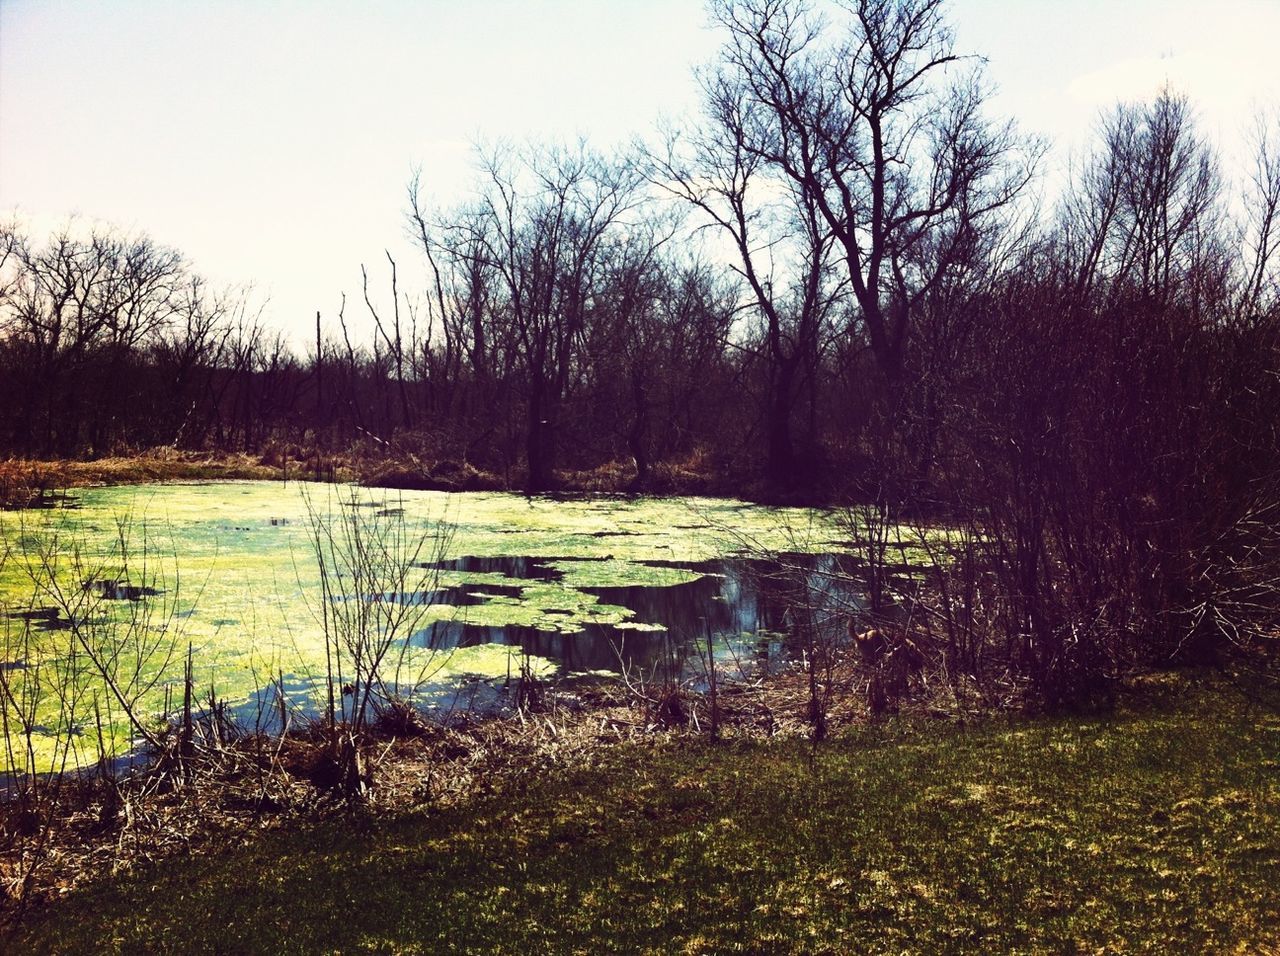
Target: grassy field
(1156, 829)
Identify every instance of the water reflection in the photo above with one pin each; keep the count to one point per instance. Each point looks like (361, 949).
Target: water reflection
(755, 613)
(751, 609)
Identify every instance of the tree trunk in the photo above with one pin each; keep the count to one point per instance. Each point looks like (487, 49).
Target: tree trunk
(639, 429)
(540, 442)
(781, 450)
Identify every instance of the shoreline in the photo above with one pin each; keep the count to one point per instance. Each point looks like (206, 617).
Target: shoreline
(26, 482)
(103, 823)
(557, 821)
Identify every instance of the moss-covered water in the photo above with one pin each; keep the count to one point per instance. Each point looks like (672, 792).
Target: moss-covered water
(498, 583)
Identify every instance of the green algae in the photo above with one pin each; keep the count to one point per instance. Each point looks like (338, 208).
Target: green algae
(234, 570)
(613, 573)
(546, 607)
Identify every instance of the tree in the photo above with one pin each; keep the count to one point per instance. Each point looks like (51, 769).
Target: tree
(653, 355)
(872, 118)
(540, 226)
(1144, 218)
(781, 250)
(1259, 293)
(76, 312)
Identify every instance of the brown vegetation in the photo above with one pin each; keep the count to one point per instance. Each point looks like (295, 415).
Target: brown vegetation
(32, 483)
(234, 784)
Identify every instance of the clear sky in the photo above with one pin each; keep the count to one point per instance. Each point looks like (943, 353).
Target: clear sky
(272, 141)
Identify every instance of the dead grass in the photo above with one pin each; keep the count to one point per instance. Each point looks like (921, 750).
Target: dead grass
(28, 483)
(373, 463)
(444, 475)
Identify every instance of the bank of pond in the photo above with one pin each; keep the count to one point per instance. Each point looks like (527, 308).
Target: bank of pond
(1150, 829)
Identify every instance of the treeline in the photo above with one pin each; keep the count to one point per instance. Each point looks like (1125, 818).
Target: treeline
(836, 281)
(113, 343)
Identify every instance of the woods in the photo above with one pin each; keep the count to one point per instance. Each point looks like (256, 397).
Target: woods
(838, 285)
(811, 510)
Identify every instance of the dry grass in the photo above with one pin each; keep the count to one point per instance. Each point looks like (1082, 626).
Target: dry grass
(237, 786)
(26, 483)
(409, 473)
(373, 463)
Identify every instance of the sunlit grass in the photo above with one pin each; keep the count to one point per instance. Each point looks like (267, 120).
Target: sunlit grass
(1152, 830)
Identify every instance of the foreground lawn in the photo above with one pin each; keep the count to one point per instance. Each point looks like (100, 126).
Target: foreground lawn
(1157, 829)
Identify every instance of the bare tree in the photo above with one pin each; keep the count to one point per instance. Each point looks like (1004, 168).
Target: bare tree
(392, 333)
(1143, 215)
(76, 310)
(1260, 291)
(472, 359)
(782, 248)
(540, 225)
(877, 122)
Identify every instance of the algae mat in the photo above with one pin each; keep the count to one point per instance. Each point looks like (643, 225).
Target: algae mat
(229, 571)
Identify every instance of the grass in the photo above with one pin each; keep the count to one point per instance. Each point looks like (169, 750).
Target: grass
(373, 463)
(29, 482)
(1155, 829)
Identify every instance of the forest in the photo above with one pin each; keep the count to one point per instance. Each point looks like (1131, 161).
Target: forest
(843, 285)
(1036, 400)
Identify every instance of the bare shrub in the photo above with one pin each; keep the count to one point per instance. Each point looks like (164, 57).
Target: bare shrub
(377, 574)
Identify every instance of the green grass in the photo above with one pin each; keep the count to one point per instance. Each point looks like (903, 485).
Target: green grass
(1156, 830)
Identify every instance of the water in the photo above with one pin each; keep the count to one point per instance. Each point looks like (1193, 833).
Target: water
(740, 607)
(481, 585)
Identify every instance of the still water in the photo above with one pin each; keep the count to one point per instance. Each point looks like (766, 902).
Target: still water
(249, 577)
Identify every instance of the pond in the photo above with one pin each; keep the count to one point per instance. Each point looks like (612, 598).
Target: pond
(247, 578)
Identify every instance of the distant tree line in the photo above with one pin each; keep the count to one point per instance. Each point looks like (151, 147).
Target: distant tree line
(835, 282)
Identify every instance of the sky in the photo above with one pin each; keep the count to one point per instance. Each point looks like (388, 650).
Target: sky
(272, 141)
